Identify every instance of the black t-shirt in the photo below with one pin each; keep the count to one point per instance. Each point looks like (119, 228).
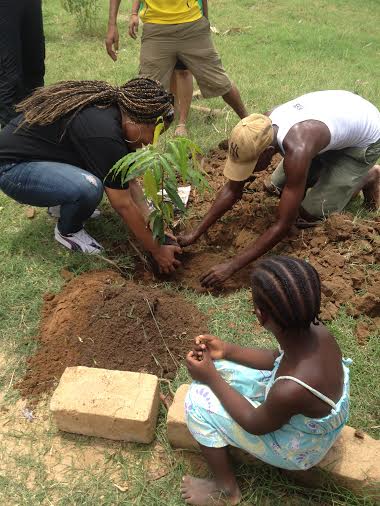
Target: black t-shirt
(92, 140)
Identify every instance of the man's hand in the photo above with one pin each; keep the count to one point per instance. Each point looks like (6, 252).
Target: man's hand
(165, 257)
(212, 344)
(112, 41)
(216, 275)
(133, 26)
(203, 370)
(186, 239)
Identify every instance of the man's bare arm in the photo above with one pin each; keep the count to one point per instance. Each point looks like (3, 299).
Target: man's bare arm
(296, 165)
(113, 11)
(205, 8)
(225, 199)
(112, 37)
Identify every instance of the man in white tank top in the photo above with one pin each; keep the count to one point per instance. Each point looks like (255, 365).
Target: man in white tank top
(330, 141)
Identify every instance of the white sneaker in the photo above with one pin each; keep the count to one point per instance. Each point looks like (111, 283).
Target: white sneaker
(55, 212)
(79, 241)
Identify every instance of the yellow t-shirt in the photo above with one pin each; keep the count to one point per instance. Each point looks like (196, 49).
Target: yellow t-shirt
(170, 12)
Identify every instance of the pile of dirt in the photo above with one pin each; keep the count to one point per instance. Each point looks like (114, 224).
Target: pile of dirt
(343, 248)
(101, 320)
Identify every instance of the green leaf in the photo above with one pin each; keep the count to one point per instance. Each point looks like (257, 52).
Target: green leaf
(150, 186)
(166, 164)
(157, 131)
(171, 190)
(168, 212)
(157, 226)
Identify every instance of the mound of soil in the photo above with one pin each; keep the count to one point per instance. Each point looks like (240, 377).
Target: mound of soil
(101, 320)
(342, 248)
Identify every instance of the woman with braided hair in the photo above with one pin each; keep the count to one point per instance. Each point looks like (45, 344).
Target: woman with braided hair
(285, 406)
(60, 149)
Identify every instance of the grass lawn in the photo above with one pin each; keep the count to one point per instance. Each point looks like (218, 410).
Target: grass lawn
(282, 50)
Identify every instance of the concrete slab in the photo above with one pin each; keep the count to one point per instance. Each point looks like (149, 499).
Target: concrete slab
(117, 405)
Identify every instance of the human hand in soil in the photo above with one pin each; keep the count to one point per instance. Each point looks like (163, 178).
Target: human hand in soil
(112, 41)
(200, 370)
(133, 26)
(165, 257)
(216, 275)
(214, 346)
(186, 239)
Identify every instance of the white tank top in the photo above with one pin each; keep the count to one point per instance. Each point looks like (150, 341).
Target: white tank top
(352, 120)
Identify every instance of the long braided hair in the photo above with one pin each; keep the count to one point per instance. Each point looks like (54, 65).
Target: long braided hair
(142, 99)
(289, 289)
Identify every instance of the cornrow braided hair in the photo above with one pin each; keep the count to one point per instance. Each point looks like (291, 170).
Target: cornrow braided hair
(289, 289)
(142, 99)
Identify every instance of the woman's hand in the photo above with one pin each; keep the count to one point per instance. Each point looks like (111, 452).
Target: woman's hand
(165, 257)
(201, 370)
(215, 346)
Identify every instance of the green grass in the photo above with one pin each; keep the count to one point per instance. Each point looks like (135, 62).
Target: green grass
(285, 48)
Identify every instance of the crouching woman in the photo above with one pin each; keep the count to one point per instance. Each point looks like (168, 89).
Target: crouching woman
(285, 407)
(60, 149)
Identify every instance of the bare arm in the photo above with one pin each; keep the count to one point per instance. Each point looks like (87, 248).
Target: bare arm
(268, 417)
(205, 8)
(251, 357)
(298, 162)
(281, 404)
(112, 37)
(123, 203)
(225, 199)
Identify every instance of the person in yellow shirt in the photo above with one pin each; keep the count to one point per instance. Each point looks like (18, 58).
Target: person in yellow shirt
(176, 30)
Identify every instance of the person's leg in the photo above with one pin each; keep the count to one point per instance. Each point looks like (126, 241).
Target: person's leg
(344, 173)
(233, 99)
(45, 184)
(371, 188)
(158, 52)
(184, 87)
(196, 50)
(33, 47)
(10, 59)
(223, 489)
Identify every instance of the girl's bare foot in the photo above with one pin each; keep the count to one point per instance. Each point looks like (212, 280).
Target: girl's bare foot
(181, 130)
(371, 190)
(207, 493)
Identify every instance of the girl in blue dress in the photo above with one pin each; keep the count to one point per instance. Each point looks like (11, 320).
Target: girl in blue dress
(285, 406)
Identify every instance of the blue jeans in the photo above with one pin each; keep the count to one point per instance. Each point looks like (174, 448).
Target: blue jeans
(45, 184)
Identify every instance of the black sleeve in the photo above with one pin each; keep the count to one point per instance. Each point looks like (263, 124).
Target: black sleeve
(98, 155)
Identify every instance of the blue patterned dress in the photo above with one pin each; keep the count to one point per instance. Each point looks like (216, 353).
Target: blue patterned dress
(298, 445)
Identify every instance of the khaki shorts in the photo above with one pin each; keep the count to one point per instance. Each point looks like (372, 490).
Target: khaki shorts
(333, 178)
(163, 45)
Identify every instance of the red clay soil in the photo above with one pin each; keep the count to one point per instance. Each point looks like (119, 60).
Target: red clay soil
(343, 249)
(101, 320)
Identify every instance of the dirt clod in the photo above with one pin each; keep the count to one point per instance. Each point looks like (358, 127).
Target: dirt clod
(101, 320)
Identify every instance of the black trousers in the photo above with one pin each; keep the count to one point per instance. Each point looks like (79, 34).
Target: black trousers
(22, 53)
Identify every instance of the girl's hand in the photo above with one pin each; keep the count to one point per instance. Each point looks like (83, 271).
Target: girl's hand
(200, 370)
(215, 346)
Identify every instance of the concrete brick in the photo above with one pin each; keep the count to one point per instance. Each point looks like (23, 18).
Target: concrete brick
(353, 462)
(178, 433)
(118, 405)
